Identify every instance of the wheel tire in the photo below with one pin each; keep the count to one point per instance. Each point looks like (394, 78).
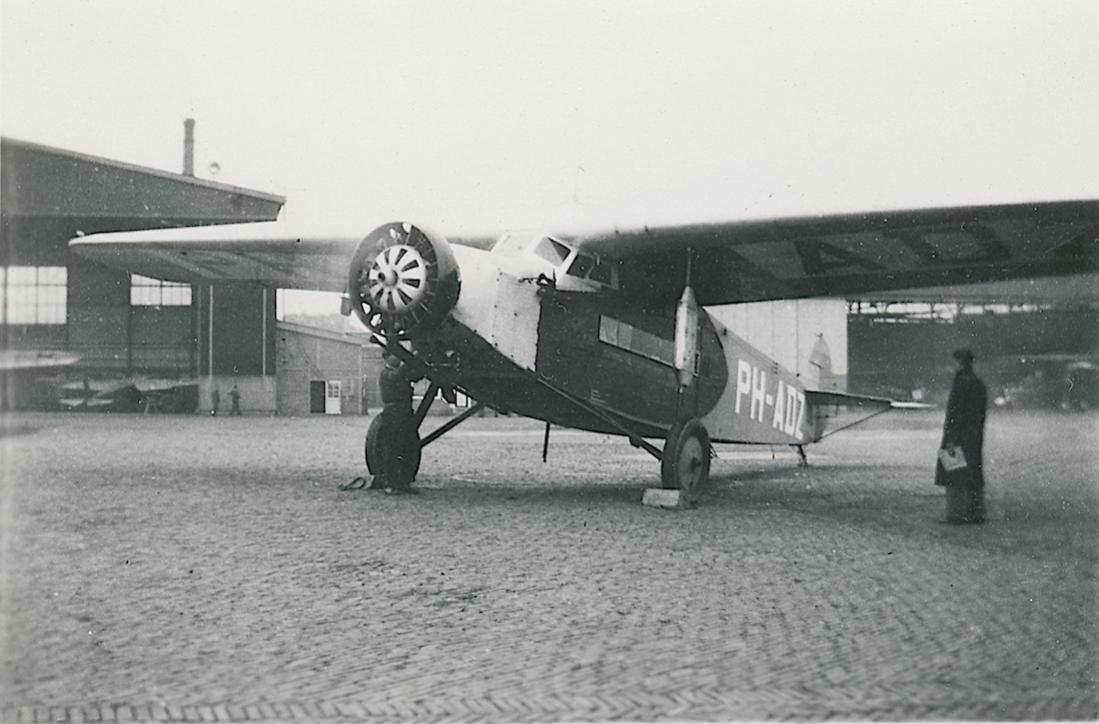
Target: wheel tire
(402, 444)
(409, 457)
(685, 465)
(371, 453)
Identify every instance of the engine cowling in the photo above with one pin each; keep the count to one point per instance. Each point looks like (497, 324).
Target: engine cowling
(403, 280)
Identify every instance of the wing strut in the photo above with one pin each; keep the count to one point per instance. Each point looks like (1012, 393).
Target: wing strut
(635, 439)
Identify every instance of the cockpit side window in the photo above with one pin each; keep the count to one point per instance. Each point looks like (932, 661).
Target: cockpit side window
(552, 251)
(581, 265)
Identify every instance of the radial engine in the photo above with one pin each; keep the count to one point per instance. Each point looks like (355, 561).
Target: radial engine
(403, 280)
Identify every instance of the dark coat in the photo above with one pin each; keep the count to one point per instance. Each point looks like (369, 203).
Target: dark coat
(396, 388)
(397, 451)
(965, 427)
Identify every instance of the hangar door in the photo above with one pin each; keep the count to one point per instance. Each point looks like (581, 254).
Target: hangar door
(332, 398)
(316, 395)
(325, 397)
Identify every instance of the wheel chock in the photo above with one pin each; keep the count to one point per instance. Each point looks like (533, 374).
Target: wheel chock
(662, 498)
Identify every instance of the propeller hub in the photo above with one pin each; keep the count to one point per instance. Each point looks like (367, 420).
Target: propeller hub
(397, 278)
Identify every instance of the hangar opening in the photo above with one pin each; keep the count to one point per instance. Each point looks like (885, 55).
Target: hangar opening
(1036, 341)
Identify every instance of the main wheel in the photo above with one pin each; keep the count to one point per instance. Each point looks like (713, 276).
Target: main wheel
(685, 465)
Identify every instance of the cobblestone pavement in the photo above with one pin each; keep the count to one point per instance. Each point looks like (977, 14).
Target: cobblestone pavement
(197, 569)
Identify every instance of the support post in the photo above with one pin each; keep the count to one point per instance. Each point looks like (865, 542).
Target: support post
(545, 443)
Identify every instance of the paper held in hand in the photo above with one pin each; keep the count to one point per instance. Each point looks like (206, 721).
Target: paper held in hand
(952, 458)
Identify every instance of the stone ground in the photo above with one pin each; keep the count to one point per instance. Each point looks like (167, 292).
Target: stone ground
(198, 569)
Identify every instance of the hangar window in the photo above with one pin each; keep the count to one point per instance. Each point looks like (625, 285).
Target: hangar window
(628, 337)
(34, 294)
(149, 292)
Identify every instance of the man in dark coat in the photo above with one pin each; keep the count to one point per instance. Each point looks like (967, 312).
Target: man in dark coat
(397, 435)
(964, 428)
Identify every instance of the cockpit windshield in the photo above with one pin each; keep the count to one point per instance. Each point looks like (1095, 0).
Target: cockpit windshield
(530, 254)
(552, 251)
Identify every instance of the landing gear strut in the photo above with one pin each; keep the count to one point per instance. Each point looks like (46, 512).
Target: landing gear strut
(803, 461)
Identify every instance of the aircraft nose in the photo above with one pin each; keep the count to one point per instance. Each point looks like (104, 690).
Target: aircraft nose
(403, 279)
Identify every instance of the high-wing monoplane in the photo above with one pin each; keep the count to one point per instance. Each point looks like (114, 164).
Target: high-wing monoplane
(608, 331)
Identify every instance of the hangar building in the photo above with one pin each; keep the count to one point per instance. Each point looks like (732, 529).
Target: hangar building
(122, 325)
(326, 371)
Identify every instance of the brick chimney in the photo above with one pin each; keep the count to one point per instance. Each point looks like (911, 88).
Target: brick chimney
(189, 147)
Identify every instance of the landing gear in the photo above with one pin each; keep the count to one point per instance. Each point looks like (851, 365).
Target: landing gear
(392, 450)
(803, 459)
(393, 431)
(685, 463)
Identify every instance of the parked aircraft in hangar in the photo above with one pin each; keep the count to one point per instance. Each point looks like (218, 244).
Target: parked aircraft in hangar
(608, 331)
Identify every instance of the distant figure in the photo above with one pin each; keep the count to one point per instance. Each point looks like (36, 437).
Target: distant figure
(215, 401)
(396, 461)
(234, 398)
(964, 428)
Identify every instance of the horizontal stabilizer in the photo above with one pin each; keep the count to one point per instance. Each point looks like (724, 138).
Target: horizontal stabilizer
(843, 399)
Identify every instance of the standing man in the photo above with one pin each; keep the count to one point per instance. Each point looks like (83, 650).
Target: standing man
(234, 399)
(215, 400)
(964, 428)
(397, 433)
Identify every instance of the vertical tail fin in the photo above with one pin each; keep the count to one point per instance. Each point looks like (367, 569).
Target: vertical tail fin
(820, 376)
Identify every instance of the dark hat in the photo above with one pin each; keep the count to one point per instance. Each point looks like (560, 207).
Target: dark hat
(963, 355)
(392, 360)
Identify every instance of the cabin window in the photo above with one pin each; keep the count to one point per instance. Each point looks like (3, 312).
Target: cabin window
(625, 336)
(601, 273)
(149, 292)
(552, 251)
(34, 294)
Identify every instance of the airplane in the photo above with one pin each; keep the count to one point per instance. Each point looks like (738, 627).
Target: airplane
(128, 394)
(11, 360)
(607, 331)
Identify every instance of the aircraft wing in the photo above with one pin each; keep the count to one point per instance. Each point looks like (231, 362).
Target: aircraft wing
(33, 359)
(272, 253)
(268, 252)
(843, 255)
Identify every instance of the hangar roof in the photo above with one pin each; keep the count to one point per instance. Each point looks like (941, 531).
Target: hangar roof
(49, 195)
(1075, 289)
(356, 339)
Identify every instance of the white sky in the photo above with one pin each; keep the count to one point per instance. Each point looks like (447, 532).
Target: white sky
(478, 116)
